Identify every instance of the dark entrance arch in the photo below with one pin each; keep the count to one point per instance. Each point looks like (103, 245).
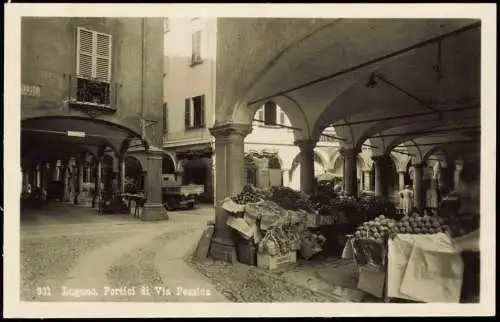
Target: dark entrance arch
(134, 175)
(274, 166)
(168, 166)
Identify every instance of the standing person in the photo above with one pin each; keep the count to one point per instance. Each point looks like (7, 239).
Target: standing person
(406, 200)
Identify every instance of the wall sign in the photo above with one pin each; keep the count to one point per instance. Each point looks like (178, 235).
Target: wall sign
(30, 90)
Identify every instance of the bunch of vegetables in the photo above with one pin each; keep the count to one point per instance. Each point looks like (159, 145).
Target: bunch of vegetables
(247, 195)
(275, 242)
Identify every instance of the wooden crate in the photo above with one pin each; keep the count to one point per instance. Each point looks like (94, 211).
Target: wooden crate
(274, 262)
(246, 252)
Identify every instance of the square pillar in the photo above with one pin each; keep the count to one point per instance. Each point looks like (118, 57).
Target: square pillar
(378, 165)
(459, 165)
(229, 180)
(78, 179)
(350, 171)
(418, 190)
(121, 174)
(367, 184)
(153, 208)
(263, 180)
(401, 177)
(307, 183)
(97, 181)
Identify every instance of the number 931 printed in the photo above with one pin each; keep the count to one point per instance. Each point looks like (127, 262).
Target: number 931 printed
(43, 291)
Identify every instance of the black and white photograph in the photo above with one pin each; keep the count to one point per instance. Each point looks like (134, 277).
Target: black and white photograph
(262, 156)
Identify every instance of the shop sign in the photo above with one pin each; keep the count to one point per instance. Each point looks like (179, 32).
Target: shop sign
(30, 90)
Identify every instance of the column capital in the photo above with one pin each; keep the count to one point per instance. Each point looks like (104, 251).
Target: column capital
(227, 129)
(305, 144)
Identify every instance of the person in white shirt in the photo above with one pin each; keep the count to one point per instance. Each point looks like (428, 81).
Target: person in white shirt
(406, 200)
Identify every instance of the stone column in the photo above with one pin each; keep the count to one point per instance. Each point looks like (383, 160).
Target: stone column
(97, 181)
(367, 180)
(459, 165)
(418, 191)
(121, 174)
(401, 176)
(153, 208)
(229, 180)
(262, 173)
(350, 171)
(378, 166)
(78, 179)
(38, 177)
(306, 165)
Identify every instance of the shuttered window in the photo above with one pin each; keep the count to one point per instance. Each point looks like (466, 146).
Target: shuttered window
(187, 113)
(270, 113)
(282, 118)
(261, 114)
(196, 47)
(194, 112)
(94, 53)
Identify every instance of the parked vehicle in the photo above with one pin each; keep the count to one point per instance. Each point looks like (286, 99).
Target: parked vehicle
(176, 196)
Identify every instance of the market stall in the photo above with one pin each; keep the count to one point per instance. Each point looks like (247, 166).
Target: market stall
(418, 258)
(282, 223)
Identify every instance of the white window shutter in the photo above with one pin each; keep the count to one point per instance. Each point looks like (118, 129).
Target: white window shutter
(94, 52)
(85, 49)
(261, 114)
(191, 108)
(103, 56)
(198, 45)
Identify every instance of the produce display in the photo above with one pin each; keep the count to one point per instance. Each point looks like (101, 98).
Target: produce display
(377, 229)
(292, 200)
(280, 240)
(417, 224)
(247, 195)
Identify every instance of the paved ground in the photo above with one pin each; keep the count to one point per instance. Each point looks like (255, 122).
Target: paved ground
(70, 253)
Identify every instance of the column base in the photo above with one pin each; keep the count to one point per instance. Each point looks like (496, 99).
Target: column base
(223, 250)
(152, 212)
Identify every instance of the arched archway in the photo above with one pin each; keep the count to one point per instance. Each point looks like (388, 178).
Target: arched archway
(134, 174)
(319, 168)
(275, 173)
(250, 170)
(168, 166)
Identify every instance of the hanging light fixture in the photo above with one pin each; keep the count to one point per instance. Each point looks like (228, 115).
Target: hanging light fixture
(438, 68)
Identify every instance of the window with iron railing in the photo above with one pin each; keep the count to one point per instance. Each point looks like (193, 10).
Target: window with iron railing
(92, 83)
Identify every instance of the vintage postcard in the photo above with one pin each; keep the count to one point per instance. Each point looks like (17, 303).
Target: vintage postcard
(289, 160)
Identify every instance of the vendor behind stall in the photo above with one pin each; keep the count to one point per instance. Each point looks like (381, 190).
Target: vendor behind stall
(467, 196)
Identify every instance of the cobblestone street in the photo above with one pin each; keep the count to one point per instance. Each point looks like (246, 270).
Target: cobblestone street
(66, 251)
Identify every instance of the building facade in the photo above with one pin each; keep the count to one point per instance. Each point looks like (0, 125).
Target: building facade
(91, 104)
(271, 155)
(188, 110)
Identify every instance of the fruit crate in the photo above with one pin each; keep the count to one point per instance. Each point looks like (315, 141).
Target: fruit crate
(275, 262)
(246, 252)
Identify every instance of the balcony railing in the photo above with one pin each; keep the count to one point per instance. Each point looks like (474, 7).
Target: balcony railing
(93, 93)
